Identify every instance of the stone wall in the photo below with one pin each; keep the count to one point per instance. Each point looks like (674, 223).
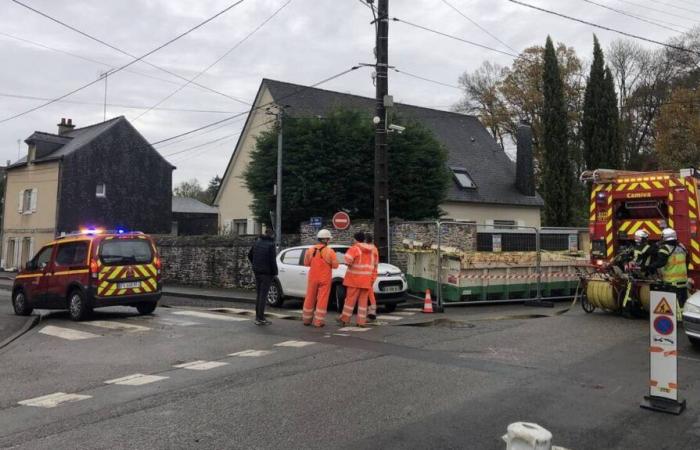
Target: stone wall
(209, 261)
(463, 236)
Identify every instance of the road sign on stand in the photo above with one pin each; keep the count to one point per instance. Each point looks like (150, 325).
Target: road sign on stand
(663, 355)
(341, 220)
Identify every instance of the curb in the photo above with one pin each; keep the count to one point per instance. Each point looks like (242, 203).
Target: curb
(31, 321)
(208, 297)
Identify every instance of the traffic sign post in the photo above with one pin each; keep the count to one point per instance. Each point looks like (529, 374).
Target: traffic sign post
(341, 220)
(663, 355)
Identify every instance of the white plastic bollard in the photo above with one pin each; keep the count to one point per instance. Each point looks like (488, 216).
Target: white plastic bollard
(527, 436)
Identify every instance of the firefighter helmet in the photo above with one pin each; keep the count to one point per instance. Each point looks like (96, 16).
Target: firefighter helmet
(640, 235)
(324, 234)
(669, 234)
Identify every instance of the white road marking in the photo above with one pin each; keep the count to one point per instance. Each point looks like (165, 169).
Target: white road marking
(354, 329)
(294, 344)
(252, 353)
(413, 310)
(385, 317)
(401, 313)
(136, 379)
(53, 400)
(116, 325)
(201, 365)
(177, 322)
(66, 333)
(340, 334)
(205, 315)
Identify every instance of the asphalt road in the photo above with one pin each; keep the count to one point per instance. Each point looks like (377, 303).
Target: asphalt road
(456, 384)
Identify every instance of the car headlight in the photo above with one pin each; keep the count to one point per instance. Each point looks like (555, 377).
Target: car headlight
(691, 308)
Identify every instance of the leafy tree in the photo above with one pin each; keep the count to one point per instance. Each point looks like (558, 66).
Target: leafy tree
(600, 116)
(329, 166)
(191, 189)
(678, 140)
(557, 176)
(212, 189)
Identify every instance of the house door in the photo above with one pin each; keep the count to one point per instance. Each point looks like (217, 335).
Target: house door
(26, 250)
(10, 254)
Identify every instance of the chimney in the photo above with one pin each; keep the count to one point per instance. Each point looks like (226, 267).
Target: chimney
(65, 126)
(524, 165)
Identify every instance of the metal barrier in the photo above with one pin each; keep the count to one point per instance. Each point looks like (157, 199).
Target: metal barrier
(509, 268)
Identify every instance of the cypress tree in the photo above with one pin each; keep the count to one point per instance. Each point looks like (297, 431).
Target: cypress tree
(557, 172)
(600, 128)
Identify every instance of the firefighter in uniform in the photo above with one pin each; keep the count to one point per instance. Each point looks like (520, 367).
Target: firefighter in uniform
(636, 260)
(671, 260)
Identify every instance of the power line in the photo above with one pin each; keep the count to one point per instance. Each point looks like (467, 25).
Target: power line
(70, 27)
(602, 27)
(457, 38)
(694, 11)
(479, 26)
(218, 60)
(426, 79)
(640, 18)
(116, 105)
(677, 16)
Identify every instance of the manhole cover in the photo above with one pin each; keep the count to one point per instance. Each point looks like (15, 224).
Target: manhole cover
(440, 323)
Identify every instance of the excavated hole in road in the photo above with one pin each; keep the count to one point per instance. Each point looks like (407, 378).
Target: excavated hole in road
(439, 323)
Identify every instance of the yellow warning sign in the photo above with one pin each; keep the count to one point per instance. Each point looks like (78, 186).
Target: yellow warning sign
(663, 308)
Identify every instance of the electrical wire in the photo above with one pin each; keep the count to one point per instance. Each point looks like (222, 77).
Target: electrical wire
(218, 60)
(425, 79)
(116, 105)
(479, 26)
(677, 16)
(457, 38)
(602, 27)
(640, 18)
(118, 69)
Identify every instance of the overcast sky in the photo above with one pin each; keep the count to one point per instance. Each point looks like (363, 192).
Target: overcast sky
(308, 40)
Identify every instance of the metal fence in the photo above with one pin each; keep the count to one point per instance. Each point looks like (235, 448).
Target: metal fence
(467, 263)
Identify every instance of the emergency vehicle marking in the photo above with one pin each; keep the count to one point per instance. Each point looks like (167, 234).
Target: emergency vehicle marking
(110, 276)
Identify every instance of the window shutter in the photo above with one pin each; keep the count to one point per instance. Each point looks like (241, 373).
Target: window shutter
(21, 200)
(32, 204)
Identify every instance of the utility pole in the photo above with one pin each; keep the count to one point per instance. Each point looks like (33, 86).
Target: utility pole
(381, 159)
(278, 112)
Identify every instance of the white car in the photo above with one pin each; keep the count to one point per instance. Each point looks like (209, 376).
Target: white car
(389, 288)
(691, 319)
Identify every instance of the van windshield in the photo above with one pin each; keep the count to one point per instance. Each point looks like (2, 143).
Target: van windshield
(126, 251)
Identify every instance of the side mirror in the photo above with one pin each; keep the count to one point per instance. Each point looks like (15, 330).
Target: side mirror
(31, 265)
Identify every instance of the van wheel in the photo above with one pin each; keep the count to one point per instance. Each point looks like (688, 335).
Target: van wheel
(19, 303)
(146, 307)
(274, 296)
(338, 297)
(77, 306)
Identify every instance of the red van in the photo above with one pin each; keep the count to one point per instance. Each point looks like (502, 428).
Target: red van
(91, 269)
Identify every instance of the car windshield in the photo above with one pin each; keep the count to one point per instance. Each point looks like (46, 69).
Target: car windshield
(126, 251)
(340, 253)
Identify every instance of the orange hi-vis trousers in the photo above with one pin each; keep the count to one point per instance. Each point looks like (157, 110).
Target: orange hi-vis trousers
(354, 294)
(372, 303)
(317, 292)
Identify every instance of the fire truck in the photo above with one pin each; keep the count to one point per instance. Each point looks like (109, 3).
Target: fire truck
(623, 202)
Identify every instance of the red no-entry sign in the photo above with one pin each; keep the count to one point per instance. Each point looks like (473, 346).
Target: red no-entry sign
(341, 220)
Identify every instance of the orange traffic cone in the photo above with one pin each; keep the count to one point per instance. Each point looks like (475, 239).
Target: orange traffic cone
(428, 305)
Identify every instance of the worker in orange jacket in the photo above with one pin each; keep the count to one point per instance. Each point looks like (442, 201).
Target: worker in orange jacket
(321, 260)
(372, 311)
(358, 280)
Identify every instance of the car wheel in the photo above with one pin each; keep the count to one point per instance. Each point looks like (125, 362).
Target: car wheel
(19, 303)
(694, 341)
(274, 296)
(338, 297)
(77, 306)
(146, 307)
(390, 307)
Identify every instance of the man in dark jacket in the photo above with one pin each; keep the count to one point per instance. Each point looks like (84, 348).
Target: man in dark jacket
(262, 257)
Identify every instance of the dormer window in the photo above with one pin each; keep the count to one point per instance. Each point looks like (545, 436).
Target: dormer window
(463, 179)
(101, 191)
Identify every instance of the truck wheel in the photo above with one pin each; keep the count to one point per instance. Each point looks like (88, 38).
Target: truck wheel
(146, 307)
(338, 297)
(390, 307)
(274, 296)
(19, 303)
(77, 305)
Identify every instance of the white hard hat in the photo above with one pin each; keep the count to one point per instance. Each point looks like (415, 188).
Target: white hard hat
(669, 234)
(640, 234)
(324, 234)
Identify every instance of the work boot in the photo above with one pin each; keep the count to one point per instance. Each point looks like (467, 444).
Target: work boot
(259, 322)
(341, 322)
(372, 317)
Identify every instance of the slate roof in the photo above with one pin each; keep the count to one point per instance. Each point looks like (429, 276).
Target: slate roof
(469, 144)
(66, 143)
(192, 206)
